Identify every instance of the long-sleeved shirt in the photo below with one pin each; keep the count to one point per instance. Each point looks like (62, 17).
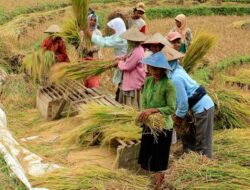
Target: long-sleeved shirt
(58, 46)
(133, 70)
(139, 23)
(114, 41)
(160, 95)
(185, 88)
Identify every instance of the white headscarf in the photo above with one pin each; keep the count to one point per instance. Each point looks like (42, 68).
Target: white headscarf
(118, 25)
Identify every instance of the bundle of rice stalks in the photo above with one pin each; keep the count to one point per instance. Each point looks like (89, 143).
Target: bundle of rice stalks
(80, 9)
(38, 64)
(232, 109)
(92, 177)
(199, 47)
(79, 71)
(240, 76)
(108, 123)
(71, 32)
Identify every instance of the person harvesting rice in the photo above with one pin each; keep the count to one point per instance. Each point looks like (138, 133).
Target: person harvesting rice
(184, 31)
(191, 96)
(55, 43)
(136, 19)
(133, 70)
(175, 39)
(94, 52)
(158, 97)
(117, 26)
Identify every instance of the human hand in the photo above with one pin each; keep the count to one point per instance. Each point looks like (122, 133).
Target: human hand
(146, 113)
(177, 120)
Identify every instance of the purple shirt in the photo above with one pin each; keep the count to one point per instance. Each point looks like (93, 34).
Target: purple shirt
(133, 70)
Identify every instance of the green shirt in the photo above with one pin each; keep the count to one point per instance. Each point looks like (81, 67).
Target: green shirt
(160, 95)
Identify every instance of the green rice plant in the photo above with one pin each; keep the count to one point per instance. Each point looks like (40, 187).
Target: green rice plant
(232, 108)
(92, 177)
(79, 71)
(199, 47)
(38, 64)
(5, 66)
(203, 76)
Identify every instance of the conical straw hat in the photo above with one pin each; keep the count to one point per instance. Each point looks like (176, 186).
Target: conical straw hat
(171, 53)
(157, 38)
(53, 29)
(133, 34)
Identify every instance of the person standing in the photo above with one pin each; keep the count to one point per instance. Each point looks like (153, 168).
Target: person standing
(158, 97)
(55, 43)
(136, 19)
(133, 70)
(190, 96)
(184, 31)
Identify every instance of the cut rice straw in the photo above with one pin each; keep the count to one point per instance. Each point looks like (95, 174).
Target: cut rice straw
(79, 71)
(199, 47)
(92, 177)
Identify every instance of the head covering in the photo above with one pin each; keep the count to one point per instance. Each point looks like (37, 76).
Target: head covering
(118, 25)
(90, 16)
(133, 34)
(157, 38)
(157, 60)
(53, 29)
(171, 53)
(173, 36)
(183, 20)
(140, 7)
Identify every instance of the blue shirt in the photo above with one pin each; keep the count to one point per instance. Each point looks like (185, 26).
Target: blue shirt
(114, 41)
(185, 88)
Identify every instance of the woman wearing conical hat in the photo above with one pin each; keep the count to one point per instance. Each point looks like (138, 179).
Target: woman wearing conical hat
(190, 96)
(55, 43)
(133, 70)
(158, 97)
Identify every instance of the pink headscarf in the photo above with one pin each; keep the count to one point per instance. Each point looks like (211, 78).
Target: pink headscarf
(183, 29)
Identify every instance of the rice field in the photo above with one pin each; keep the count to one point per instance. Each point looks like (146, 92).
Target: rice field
(231, 147)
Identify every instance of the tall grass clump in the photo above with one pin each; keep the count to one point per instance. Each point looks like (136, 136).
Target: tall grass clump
(199, 47)
(92, 177)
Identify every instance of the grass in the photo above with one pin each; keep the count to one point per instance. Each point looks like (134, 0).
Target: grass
(6, 181)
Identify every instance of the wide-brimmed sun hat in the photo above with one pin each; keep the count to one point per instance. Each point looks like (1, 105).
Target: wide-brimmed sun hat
(133, 34)
(157, 60)
(171, 53)
(173, 36)
(53, 29)
(157, 38)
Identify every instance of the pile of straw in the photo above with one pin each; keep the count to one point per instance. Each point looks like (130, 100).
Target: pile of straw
(79, 71)
(38, 64)
(92, 177)
(108, 123)
(199, 47)
(226, 171)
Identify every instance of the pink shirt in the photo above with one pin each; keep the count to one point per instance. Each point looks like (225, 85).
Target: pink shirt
(133, 70)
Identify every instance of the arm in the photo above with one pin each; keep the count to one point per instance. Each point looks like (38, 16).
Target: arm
(189, 37)
(170, 99)
(131, 62)
(181, 98)
(110, 41)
